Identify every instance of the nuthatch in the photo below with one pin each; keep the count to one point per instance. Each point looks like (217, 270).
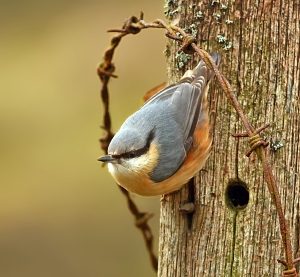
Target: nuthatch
(167, 141)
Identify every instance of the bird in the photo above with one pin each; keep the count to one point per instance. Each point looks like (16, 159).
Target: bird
(165, 143)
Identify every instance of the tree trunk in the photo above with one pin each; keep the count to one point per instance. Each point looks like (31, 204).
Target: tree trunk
(227, 235)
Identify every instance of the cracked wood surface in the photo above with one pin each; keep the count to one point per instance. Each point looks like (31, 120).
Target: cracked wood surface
(260, 46)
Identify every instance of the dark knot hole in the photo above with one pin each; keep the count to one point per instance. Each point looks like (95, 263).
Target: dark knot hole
(237, 194)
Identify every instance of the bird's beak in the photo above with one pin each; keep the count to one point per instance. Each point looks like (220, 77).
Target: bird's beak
(107, 159)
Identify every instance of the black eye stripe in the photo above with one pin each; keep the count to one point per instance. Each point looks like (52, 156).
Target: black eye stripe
(138, 152)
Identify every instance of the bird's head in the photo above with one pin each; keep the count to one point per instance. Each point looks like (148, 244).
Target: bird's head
(131, 151)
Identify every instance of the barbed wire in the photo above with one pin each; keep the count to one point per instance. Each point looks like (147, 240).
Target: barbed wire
(257, 144)
(105, 71)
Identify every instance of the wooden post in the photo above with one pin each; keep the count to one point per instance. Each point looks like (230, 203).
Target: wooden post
(234, 228)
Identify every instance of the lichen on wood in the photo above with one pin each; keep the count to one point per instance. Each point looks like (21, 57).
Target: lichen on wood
(263, 65)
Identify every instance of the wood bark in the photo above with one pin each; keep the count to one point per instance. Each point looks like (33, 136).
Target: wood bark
(259, 42)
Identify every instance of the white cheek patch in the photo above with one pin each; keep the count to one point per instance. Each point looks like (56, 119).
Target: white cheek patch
(138, 163)
(111, 168)
(129, 166)
(127, 171)
(117, 170)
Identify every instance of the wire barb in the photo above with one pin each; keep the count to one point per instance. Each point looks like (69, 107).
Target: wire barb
(290, 273)
(255, 140)
(187, 44)
(102, 72)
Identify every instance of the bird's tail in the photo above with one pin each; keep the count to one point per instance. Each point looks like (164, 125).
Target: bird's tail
(201, 74)
(201, 77)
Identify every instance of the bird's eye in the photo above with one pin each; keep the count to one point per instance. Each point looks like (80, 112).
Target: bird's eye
(131, 154)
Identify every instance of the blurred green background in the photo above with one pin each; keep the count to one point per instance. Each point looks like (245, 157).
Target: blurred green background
(61, 213)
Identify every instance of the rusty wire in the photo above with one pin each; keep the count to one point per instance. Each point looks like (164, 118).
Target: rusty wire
(105, 71)
(258, 145)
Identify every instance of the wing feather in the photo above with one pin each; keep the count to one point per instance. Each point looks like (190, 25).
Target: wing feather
(188, 99)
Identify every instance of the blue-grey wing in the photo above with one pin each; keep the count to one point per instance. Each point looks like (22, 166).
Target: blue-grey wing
(186, 101)
(183, 105)
(176, 117)
(164, 94)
